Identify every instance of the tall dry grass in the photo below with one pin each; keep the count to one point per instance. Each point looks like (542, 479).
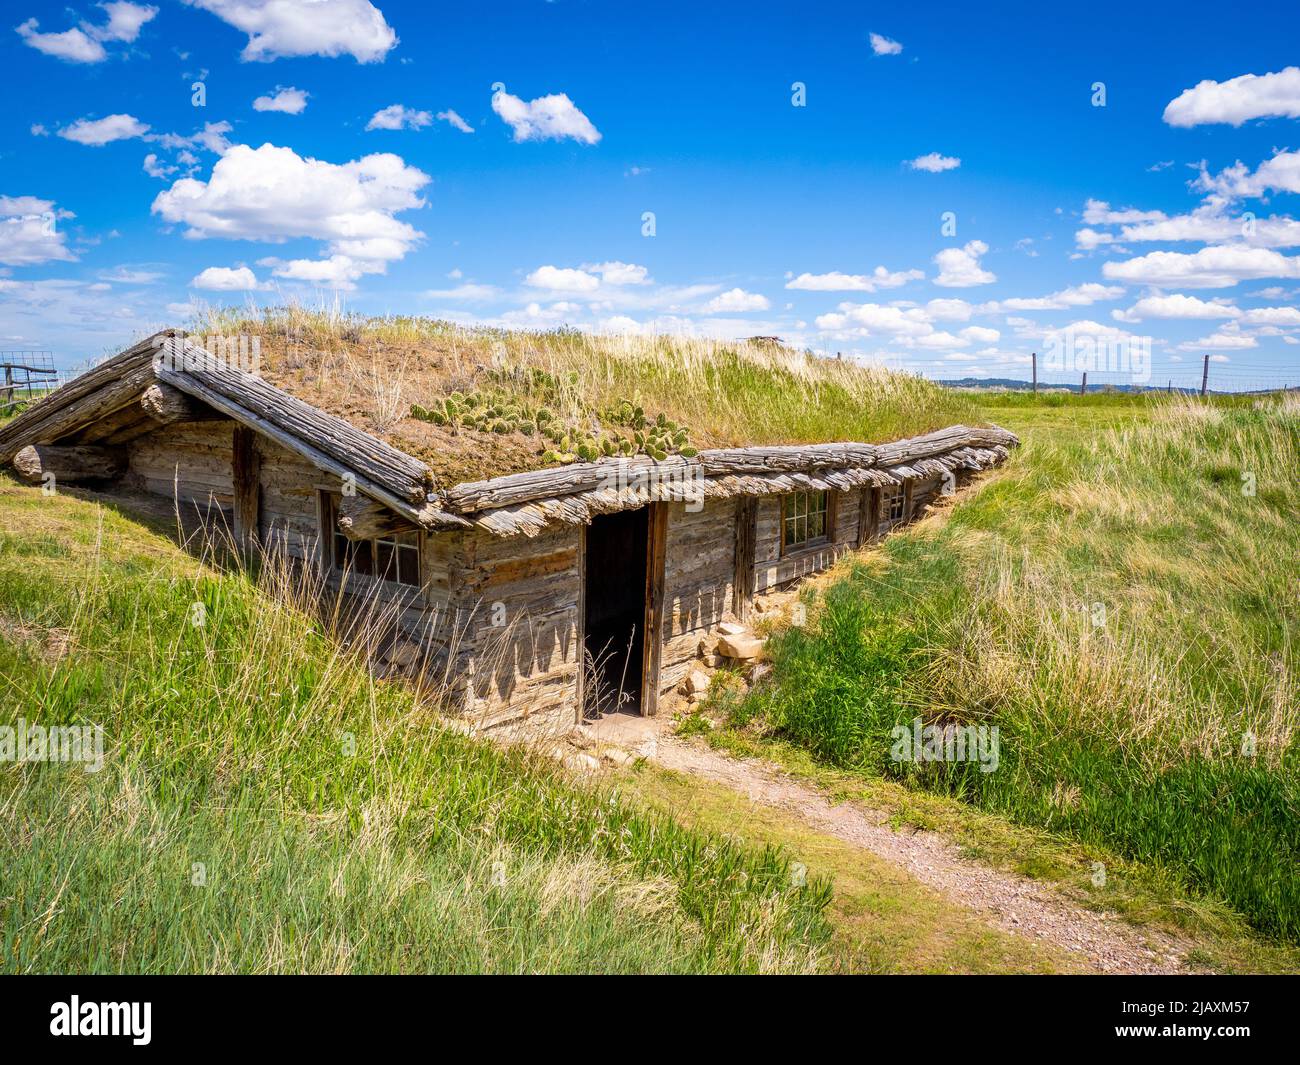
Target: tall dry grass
(268, 804)
(1122, 603)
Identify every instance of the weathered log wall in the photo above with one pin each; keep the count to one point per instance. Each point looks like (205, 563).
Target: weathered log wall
(516, 644)
(187, 461)
(772, 569)
(699, 581)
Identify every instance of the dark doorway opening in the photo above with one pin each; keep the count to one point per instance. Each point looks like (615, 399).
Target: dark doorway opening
(615, 612)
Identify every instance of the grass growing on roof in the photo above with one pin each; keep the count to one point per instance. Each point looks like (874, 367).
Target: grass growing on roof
(266, 806)
(1125, 613)
(729, 393)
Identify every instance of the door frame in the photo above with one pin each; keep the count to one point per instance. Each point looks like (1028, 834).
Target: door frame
(652, 638)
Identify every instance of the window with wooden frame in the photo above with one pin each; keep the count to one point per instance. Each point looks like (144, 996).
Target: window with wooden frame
(394, 558)
(806, 519)
(894, 504)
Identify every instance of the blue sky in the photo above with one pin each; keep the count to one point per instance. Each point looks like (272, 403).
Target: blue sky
(367, 152)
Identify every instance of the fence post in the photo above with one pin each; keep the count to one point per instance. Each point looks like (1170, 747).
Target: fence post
(1205, 375)
(1033, 358)
(1083, 386)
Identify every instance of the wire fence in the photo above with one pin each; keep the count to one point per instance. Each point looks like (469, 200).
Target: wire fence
(26, 375)
(1221, 377)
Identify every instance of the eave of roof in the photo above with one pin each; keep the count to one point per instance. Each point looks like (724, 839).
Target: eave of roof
(521, 503)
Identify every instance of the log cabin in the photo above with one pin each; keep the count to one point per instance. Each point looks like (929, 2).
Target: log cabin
(537, 592)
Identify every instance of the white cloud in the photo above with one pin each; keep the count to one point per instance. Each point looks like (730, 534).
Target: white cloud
(85, 43)
(273, 194)
(934, 163)
(960, 267)
(980, 334)
(551, 117)
(1089, 239)
(156, 169)
(395, 116)
(838, 282)
(867, 319)
(125, 21)
(558, 279)
(1230, 338)
(1075, 296)
(1176, 306)
(949, 310)
(1099, 213)
(288, 100)
(466, 293)
(1209, 225)
(30, 232)
(72, 45)
(1285, 316)
(100, 131)
(1237, 100)
(1218, 266)
(454, 120)
(226, 279)
(1280, 173)
(279, 28)
(882, 45)
(619, 273)
(735, 301)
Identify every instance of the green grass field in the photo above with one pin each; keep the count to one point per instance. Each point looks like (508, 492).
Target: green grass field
(265, 806)
(1121, 601)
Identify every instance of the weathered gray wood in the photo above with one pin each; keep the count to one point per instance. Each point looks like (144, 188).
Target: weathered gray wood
(653, 640)
(60, 421)
(98, 392)
(261, 405)
(165, 404)
(123, 424)
(245, 477)
(69, 464)
(427, 515)
(361, 518)
(621, 472)
(830, 461)
(746, 542)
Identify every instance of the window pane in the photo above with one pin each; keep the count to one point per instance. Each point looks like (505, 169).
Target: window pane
(384, 563)
(816, 524)
(408, 565)
(362, 559)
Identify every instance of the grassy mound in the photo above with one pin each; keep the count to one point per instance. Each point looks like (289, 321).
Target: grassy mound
(374, 370)
(1121, 604)
(264, 805)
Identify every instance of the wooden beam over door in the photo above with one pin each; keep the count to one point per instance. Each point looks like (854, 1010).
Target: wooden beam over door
(652, 642)
(246, 467)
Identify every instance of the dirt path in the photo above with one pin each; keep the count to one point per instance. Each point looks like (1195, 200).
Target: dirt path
(1011, 903)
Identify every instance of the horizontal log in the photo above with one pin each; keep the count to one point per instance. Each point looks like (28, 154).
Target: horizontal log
(554, 481)
(793, 462)
(99, 391)
(194, 371)
(197, 384)
(68, 464)
(165, 404)
(361, 518)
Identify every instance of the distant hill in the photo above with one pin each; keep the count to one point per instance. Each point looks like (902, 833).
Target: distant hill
(1010, 384)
